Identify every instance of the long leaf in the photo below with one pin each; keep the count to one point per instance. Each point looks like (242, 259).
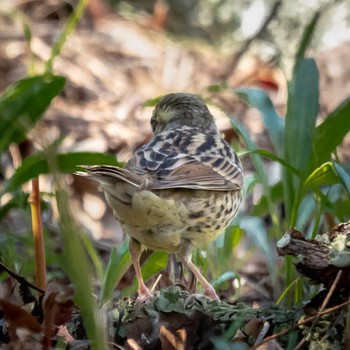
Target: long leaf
(23, 104)
(267, 154)
(274, 124)
(77, 265)
(302, 111)
(306, 39)
(37, 164)
(344, 177)
(322, 176)
(303, 107)
(258, 164)
(330, 133)
(118, 264)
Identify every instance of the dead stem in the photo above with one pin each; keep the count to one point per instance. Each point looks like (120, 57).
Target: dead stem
(323, 306)
(301, 323)
(37, 227)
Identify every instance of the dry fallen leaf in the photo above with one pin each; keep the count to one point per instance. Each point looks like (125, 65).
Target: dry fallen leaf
(17, 318)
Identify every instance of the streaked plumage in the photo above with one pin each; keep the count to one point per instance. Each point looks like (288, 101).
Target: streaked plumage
(180, 190)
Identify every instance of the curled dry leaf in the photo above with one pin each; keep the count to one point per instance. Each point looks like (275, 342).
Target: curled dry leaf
(17, 318)
(59, 303)
(57, 308)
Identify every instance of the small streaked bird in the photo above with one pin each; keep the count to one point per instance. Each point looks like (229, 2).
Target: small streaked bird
(180, 190)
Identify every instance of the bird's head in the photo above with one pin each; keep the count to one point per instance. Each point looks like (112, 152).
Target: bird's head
(181, 109)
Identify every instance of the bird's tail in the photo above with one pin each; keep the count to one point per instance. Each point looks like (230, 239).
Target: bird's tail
(108, 174)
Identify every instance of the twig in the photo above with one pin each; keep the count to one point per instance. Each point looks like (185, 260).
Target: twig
(237, 56)
(347, 331)
(301, 323)
(156, 283)
(323, 306)
(20, 279)
(262, 333)
(39, 247)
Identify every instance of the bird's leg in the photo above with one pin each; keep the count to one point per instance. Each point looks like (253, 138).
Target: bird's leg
(209, 290)
(135, 252)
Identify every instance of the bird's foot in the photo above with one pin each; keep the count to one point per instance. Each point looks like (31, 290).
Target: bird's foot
(144, 294)
(210, 292)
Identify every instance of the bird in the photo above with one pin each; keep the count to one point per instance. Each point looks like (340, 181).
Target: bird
(177, 192)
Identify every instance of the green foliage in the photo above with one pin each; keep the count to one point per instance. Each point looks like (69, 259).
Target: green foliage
(273, 122)
(155, 263)
(76, 264)
(313, 181)
(21, 107)
(305, 152)
(23, 104)
(118, 264)
(330, 134)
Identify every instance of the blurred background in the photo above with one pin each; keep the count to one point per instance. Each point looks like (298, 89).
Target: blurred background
(125, 53)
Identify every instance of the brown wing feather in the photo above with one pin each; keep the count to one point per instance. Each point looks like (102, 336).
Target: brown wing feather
(181, 158)
(197, 176)
(184, 158)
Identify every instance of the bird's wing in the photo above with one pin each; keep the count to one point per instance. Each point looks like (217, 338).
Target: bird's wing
(187, 159)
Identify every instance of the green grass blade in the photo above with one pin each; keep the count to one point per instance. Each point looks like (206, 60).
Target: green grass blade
(73, 21)
(274, 124)
(93, 255)
(118, 264)
(261, 174)
(267, 154)
(284, 293)
(306, 39)
(23, 104)
(78, 267)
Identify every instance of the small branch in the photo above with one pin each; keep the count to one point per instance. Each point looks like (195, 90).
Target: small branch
(301, 323)
(318, 259)
(347, 331)
(323, 306)
(20, 279)
(237, 56)
(39, 247)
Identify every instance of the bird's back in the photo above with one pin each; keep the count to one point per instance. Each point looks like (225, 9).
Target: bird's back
(189, 189)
